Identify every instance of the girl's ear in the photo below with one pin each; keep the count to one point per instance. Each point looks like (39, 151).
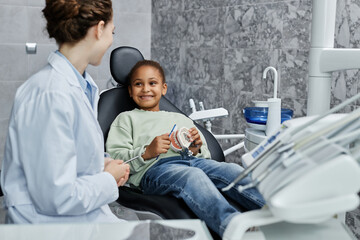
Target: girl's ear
(130, 92)
(164, 89)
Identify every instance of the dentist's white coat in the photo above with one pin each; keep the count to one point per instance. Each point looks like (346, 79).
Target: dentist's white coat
(53, 165)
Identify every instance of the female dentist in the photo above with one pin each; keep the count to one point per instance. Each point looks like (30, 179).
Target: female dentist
(54, 168)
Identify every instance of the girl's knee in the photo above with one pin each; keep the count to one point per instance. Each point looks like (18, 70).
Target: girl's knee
(196, 177)
(235, 166)
(232, 170)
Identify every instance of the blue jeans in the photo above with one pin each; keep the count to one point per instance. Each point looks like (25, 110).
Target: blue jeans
(196, 181)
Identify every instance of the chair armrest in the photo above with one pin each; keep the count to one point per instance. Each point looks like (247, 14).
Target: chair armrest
(208, 114)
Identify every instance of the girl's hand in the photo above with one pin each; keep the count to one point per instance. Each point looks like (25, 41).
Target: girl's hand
(118, 170)
(160, 144)
(196, 141)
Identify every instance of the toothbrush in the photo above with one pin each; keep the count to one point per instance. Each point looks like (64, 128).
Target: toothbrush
(169, 136)
(172, 130)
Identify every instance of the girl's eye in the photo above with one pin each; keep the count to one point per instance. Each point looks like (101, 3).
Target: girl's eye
(137, 84)
(153, 83)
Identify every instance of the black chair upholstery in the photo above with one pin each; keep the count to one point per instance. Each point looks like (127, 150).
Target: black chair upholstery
(116, 100)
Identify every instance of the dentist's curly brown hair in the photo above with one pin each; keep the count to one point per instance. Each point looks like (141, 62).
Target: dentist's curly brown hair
(69, 20)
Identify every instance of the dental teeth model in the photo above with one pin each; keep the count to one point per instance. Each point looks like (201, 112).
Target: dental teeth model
(180, 139)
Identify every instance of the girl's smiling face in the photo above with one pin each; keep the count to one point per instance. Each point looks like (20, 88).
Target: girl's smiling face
(147, 87)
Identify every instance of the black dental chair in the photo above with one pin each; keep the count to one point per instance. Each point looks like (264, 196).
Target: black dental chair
(116, 100)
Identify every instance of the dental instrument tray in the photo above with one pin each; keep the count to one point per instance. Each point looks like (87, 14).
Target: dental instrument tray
(258, 115)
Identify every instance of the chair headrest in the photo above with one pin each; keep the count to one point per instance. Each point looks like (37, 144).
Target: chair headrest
(122, 60)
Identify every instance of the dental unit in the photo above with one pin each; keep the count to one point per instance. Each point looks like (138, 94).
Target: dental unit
(307, 171)
(272, 143)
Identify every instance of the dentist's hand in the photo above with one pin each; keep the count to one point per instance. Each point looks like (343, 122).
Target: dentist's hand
(118, 170)
(196, 141)
(107, 160)
(160, 144)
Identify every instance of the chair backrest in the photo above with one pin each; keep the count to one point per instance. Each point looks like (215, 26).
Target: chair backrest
(116, 100)
(122, 60)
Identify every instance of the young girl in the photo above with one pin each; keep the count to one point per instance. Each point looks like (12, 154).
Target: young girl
(144, 132)
(54, 168)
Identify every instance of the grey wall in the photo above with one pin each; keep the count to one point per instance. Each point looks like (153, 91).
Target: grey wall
(22, 21)
(216, 50)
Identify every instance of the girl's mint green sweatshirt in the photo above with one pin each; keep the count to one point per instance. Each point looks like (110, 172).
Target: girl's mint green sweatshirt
(132, 131)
